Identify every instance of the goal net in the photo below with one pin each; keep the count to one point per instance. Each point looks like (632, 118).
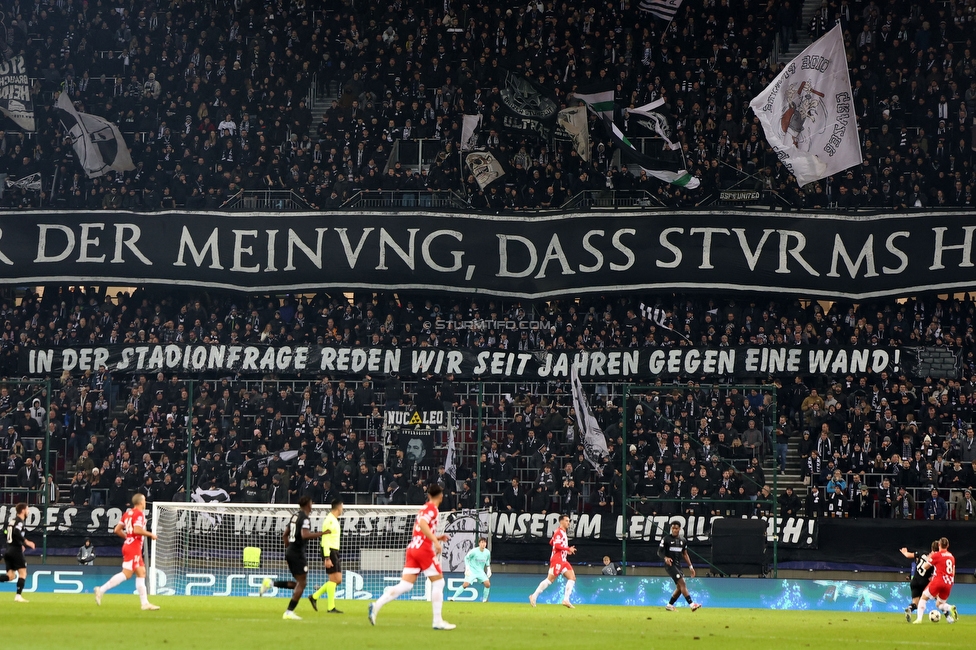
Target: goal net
(223, 549)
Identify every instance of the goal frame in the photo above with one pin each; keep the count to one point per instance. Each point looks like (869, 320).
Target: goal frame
(283, 511)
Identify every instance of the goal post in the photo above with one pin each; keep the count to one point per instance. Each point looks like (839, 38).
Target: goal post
(228, 549)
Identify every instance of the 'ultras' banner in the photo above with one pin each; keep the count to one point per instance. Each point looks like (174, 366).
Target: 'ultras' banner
(520, 256)
(640, 363)
(799, 532)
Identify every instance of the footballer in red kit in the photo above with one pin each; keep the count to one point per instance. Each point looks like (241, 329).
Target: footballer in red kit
(945, 574)
(559, 564)
(131, 528)
(423, 556)
(940, 587)
(131, 521)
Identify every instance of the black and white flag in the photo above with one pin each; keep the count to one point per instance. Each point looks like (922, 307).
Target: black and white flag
(485, 167)
(469, 131)
(30, 182)
(529, 106)
(655, 122)
(97, 142)
(594, 440)
(659, 317)
(15, 97)
(663, 9)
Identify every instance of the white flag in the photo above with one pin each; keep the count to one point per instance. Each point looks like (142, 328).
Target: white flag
(594, 441)
(807, 112)
(469, 131)
(450, 461)
(663, 9)
(97, 142)
(485, 167)
(573, 121)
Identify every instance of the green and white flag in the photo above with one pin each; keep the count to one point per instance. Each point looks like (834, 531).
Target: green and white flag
(600, 103)
(603, 105)
(630, 155)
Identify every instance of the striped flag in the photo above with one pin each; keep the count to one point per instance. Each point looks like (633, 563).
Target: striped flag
(659, 317)
(594, 440)
(663, 9)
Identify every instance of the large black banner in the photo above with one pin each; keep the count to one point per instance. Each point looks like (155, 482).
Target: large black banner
(816, 255)
(631, 364)
(804, 543)
(800, 532)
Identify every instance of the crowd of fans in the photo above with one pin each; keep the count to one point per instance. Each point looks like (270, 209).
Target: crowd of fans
(212, 97)
(687, 450)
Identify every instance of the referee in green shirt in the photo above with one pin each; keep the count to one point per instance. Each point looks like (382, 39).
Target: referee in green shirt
(331, 532)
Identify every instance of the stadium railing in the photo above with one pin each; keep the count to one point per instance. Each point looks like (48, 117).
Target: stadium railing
(272, 200)
(397, 199)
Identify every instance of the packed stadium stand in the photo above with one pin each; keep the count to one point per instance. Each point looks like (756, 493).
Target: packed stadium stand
(114, 434)
(329, 103)
(324, 99)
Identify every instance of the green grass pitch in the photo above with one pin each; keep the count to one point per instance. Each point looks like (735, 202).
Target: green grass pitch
(62, 621)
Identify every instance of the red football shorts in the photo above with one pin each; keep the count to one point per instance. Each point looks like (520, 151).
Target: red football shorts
(132, 560)
(939, 589)
(422, 560)
(559, 567)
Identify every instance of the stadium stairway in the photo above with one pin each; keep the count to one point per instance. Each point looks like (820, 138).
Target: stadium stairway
(803, 38)
(319, 105)
(791, 477)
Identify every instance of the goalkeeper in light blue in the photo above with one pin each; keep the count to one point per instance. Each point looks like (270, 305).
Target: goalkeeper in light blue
(477, 568)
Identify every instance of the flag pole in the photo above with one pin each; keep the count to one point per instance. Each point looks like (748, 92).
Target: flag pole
(665, 34)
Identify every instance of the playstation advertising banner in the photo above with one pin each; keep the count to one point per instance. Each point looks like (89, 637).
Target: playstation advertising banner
(631, 364)
(814, 255)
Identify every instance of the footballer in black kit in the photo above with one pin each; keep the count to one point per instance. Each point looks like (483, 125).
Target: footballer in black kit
(295, 553)
(920, 576)
(297, 533)
(673, 549)
(14, 560)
